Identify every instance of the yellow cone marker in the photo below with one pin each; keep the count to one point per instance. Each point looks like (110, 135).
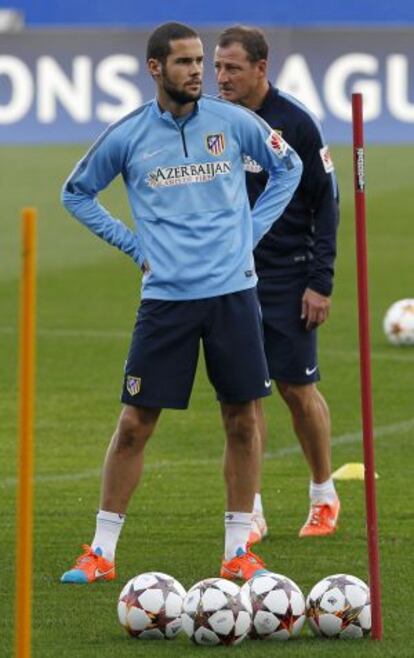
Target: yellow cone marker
(353, 471)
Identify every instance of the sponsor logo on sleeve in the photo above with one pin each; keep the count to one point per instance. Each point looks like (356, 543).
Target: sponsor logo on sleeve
(215, 144)
(327, 161)
(277, 144)
(251, 165)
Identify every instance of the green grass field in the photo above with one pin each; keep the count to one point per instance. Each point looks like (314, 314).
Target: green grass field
(87, 299)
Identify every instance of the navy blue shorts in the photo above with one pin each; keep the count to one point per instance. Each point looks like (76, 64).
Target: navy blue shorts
(291, 350)
(165, 345)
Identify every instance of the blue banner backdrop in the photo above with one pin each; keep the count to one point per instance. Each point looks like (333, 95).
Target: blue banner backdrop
(66, 86)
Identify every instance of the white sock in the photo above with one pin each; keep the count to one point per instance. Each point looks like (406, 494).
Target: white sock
(257, 505)
(237, 526)
(322, 493)
(108, 529)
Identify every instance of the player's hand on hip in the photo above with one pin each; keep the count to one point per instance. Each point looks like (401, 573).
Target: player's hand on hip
(145, 268)
(315, 308)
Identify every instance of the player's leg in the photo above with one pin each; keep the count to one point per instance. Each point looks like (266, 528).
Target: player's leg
(259, 529)
(242, 457)
(159, 373)
(125, 457)
(121, 474)
(237, 368)
(242, 463)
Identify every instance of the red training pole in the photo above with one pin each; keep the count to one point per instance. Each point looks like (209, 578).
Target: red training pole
(365, 365)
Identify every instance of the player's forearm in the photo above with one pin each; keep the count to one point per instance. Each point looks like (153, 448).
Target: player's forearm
(97, 219)
(277, 194)
(326, 219)
(322, 266)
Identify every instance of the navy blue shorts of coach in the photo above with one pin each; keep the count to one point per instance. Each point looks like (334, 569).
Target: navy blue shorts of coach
(165, 346)
(291, 350)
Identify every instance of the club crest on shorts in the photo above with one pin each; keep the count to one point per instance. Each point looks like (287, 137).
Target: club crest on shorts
(215, 144)
(133, 385)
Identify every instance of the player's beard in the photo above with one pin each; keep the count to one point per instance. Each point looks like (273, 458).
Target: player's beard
(180, 96)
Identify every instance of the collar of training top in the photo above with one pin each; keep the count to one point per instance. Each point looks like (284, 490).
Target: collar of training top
(272, 94)
(164, 114)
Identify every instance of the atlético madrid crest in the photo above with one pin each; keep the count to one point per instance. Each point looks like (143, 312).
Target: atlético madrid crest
(133, 384)
(215, 144)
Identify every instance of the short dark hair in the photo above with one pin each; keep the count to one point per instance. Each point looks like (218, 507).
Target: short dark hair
(252, 39)
(159, 46)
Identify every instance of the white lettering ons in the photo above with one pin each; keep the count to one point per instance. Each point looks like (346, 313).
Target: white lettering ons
(187, 173)
(353, 72)
(52, 90)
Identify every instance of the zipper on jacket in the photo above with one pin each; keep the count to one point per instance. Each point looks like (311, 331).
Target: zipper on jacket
(183, 141)
(181, 129)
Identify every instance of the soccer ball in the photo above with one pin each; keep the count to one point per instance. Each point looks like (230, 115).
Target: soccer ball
(339, 606)
(149, 606)
(216, 611)
(278, 607)
(399, 322)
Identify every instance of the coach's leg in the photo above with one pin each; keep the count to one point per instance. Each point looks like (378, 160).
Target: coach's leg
(312, 425)
(125, 455)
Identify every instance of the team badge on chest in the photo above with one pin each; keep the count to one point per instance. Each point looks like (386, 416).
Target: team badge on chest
(215, 144)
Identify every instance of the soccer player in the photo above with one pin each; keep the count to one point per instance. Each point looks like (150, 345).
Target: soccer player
(180, 156)
(294, 263)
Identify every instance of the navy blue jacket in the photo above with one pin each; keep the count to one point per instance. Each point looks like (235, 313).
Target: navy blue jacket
(306, 231)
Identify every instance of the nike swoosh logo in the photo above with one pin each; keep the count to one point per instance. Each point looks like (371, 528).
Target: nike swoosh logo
(101, 574)
(267, 383)
(146, 156)
(234, 574)
(310, 371)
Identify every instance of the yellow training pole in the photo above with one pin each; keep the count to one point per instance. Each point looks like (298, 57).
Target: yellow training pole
(23, 625)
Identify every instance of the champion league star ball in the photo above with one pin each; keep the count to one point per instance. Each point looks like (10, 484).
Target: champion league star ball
(150, 605)
(399, 322)
(216, 611)
(339, 606)
(278, 607)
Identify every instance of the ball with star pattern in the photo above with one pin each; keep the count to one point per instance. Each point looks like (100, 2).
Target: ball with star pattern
(216, 611)
(399, 322)
(278, 607)
(149, 606)
(339, 606)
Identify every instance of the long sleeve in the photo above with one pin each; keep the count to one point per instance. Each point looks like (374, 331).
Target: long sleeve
(284, 167)
(320, 186)
(102, 163)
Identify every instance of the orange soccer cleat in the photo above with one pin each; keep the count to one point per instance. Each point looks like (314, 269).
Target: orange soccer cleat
(322, 520)
(243, 566)
(89, 567)
(258, 530)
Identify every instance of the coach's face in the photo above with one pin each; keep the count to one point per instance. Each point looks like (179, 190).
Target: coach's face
(238, 78)
(180, 76)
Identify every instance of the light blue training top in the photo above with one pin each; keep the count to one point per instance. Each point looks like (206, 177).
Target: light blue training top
(186, 188)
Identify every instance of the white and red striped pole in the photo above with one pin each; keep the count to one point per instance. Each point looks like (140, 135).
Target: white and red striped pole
(365, 364)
